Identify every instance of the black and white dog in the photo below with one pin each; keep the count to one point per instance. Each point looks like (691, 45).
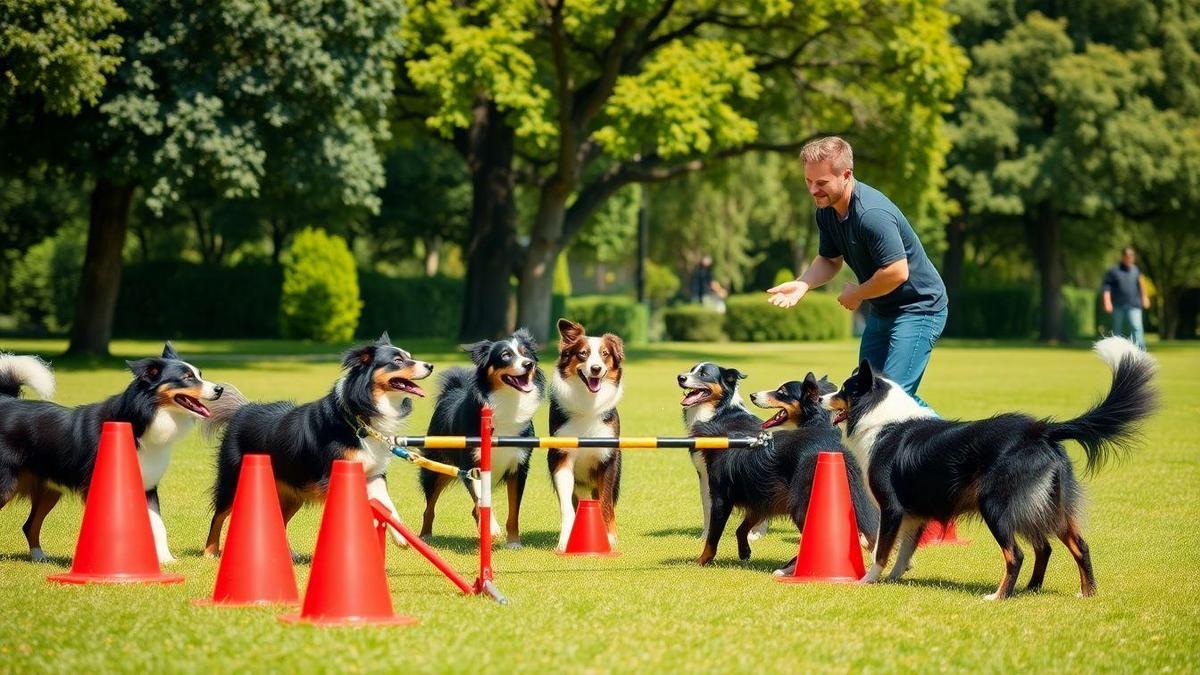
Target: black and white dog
(46, 448)
(375, 389)
(1011, 469)
(585, 389)
(774, 479)
(506, 377)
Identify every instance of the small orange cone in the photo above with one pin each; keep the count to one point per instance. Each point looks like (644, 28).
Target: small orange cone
(589, 536)
(116, 545)
(937, 533)
(347, 585)
(829, 548)
(256, 565)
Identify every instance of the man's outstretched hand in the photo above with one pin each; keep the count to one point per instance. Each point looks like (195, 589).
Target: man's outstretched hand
(787, 294)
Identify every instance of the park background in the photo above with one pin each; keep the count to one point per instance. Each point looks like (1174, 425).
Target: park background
(267, 182)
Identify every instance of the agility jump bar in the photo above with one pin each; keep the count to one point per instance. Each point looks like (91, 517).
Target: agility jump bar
(568, 442)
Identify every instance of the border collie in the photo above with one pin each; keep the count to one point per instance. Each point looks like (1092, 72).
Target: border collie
(375, 389)
(1011, 469)
(791, 399)
(771, 480)
(506, 377)
(46, 449)
(584, 391)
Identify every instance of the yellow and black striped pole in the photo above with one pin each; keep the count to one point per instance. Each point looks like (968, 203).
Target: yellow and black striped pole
(568, 442)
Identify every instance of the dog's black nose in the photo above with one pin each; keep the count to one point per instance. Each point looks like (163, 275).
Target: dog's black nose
(595, 370)
(430, 367)
(682, 379)
(217, 391)
(526, 363)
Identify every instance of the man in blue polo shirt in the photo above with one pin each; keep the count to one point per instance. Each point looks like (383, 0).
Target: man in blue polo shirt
(858, 225)
(1125, 297)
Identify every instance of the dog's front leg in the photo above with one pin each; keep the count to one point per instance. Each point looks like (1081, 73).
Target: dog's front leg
(157, 527)
(563, 475)
(890, 520)
(721, 508)
(377, 489)
(705, 496)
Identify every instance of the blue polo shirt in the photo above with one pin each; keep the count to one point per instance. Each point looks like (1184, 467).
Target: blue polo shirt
(876, 234)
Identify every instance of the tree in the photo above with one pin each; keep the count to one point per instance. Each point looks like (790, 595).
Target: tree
(580, 100)
(232, 101)
(1069, 117)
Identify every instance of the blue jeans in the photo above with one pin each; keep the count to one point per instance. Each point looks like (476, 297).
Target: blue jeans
(899, 347)
(1127, 322)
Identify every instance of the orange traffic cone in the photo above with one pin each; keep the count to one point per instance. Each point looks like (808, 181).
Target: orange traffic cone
(256, 566)
(937, 533)
(588, 534)
(829, 549)
(347, 585)
(116, 545)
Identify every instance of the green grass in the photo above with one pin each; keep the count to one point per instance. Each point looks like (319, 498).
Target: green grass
(652, 609)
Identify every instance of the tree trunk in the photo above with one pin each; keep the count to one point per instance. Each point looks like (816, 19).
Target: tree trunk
(1043, 236)
(535, 292)
(952, 260)
(433, 248)
(1168, 312)
(278, 236)
(491, 242)
(100, 280)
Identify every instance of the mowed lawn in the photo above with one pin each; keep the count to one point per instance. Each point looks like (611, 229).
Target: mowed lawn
(652, 609)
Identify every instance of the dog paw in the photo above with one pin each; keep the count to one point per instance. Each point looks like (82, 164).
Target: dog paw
(167, 559)
(37, 555)
(513, 545)
(756, 534)
(992, 596)
(211, 554)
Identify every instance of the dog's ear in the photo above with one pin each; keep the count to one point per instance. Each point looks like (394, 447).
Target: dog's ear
(359, 356)
(824, 386)
(384, 339)
(864, 374)
(809, 388)
(615, 346)
(169, 352)
(478, 351)
(569, 331)
(525, 339)
(731, 376)
(146, 369)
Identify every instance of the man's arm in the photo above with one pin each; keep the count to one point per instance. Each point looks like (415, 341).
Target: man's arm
(1108, 301)
(1107, 285)
(818, 274)
(1145, 295)
(885, 280)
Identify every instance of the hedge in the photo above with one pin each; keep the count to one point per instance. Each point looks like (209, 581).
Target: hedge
(1002, 312)
(693, 323)
(617, 314)
(750, 318)
(161, 300)
(320, 299)
(410, 306)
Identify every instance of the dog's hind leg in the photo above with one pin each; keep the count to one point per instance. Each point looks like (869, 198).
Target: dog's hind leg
(749, 523)
(890, 519)
(609, 488)
(1041, 556)
(910, 534)
(157, 527)
(43, 498)
(212, 546)
(992, 513)
(432, 484)
(721, 509)
(1083, 557)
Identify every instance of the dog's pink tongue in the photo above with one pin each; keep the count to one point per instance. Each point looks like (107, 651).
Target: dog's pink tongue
(593, 384)
(775, 420)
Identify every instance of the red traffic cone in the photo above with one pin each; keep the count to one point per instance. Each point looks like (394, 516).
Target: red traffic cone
(256, 566)
(938, 533)
(116, 545)
(347, 585)
(829, 549)
(589, 536)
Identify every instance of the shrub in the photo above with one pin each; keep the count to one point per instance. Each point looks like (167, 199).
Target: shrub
(1004, 312)
(320, 298)
(45, 282)
(617, 314)
(194, 300)
(661, 283)
(410, 306)
(693, 323)
(750, 318)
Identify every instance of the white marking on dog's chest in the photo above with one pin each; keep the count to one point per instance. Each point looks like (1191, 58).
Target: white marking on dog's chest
(157, 442)
(379, 453)
(511, 412)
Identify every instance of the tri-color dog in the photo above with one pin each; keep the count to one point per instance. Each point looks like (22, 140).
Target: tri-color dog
(1011, 469)
(584, 392)
(46, 449)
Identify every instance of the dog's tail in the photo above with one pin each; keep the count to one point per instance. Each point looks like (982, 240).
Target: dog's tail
(18, 371)
(222, 411)
(1111, 424)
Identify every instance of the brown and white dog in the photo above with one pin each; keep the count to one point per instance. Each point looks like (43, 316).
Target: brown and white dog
(584, 392)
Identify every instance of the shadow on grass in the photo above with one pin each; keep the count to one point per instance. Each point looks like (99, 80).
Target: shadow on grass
(50, 562)
(730, 563)
(531, 539)
(676, 532)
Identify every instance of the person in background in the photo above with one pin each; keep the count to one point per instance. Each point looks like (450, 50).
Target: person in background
(706, 290)
(1125, 297)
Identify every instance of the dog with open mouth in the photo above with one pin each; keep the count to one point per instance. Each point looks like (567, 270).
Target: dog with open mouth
(771, 480)
(46, 449)
(584, 392)
(374, 393)
(505, 376)
(791, 399)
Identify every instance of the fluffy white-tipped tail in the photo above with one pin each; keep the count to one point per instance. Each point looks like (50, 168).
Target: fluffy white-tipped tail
(30, 371)
(1115, 349)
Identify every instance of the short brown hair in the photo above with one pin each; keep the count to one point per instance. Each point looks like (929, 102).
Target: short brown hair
(832, 148)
